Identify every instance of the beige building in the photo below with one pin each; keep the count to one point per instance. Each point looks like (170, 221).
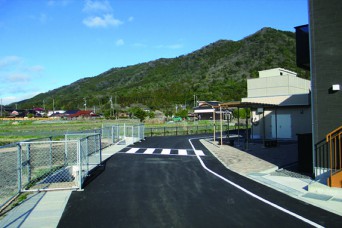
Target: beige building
(290, 96)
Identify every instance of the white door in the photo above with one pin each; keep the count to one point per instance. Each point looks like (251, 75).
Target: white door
(283, 126)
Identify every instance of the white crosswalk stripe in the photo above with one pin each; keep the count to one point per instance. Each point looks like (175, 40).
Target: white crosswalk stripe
(199, 153)
(155, 151)
(166, 151)
(149, 151)
(132, 150)
(182, 152)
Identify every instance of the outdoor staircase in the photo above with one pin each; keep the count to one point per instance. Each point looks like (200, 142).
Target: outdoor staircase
(334, 141)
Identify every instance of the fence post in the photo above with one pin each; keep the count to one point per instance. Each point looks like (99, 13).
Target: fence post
(100, 148)
(124, 131)
(79, 164)
(28, 154)
(50, 152)
(133, 134)
(151, 131)
(176, 130)
(19, 166)
(87, 153)
(66, 150)
(112, 134)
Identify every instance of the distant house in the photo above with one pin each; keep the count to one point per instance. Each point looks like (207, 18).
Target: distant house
(205, 110)
(83, 114)
(56, 113)
(290, 96)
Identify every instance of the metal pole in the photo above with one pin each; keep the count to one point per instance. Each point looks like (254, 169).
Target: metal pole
(263, 126)
(124, 131)
(19, 166)
(221, 125)
(238, 126)
(87, 153)
(276, 123)
(65, 150)
(246, 129)
(214, 125)
(228, 117)
(50, 152)
(28, 153)
(100, 147)
(80, 164)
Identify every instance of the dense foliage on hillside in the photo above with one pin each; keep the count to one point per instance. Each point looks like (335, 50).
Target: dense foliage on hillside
(215, 72)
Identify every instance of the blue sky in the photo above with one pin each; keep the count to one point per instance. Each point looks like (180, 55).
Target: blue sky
(46, 44)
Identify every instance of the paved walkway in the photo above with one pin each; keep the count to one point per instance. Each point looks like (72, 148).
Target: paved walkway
(260, 164)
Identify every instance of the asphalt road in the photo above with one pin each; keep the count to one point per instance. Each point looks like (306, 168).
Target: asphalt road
(140, 190)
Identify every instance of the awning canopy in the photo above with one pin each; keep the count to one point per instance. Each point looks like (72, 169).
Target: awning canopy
(240, 104)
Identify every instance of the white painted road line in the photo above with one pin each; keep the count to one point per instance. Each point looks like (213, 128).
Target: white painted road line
(199, 153)
(149, 151)
(166, 151)
(182, 152)
(254, 195)
(132, 150)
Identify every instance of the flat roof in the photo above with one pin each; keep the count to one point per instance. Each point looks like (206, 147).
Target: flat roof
(240, 104)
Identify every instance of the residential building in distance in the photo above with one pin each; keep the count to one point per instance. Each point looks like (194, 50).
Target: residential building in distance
(290, 96)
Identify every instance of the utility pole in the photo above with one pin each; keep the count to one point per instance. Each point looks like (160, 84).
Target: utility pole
(116, 116)
(111, 105)
(194, 100)
(85, 104)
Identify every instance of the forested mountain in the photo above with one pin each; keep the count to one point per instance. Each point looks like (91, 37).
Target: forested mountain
(217, 71)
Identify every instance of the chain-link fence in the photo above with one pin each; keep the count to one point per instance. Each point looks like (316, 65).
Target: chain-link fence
(53, 165)
(9, 178)
(45, 164)
(8, 173)
(178, 130)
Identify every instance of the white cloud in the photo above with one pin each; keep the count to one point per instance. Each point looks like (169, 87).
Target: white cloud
(36, 68)
(18, 78)
(105, 21)
(174, 46)
(139, 45)
(9, 60)
(119, 42)
(130, 19)
(12, 99)
(58, 2)
(97, 6)
(171, 46)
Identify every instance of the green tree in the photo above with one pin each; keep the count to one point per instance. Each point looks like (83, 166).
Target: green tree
(139, 113)
(241, 113)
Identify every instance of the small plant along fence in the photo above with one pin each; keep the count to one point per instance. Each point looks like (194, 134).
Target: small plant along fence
(45, 164)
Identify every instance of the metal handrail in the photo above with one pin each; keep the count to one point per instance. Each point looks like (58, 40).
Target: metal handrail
(335, 150)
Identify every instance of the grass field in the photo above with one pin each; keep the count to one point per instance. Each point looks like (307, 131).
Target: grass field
(21, 130)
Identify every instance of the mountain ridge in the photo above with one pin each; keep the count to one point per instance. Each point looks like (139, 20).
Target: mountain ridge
(217, 71)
